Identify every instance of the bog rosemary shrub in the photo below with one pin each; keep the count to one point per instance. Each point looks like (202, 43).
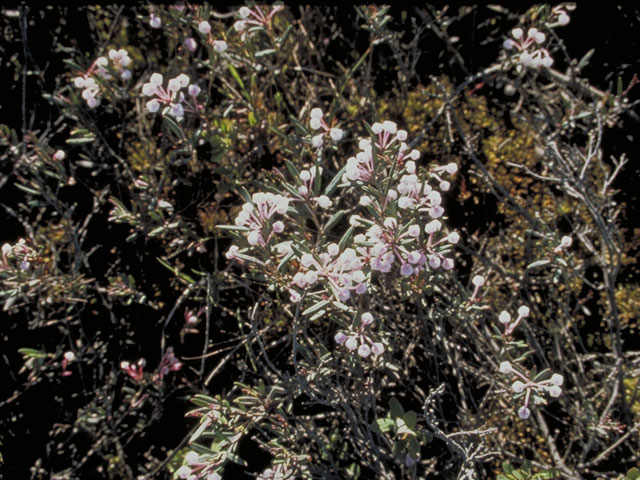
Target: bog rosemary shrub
(252, 243)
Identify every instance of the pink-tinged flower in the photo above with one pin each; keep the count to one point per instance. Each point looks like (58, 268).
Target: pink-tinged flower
(155, 21)
(523, 311)
(524, 412)
(135, 371)
(366, 319)
(59, 155)
(190, 44)
(220, 46)
(340, 338)
(518, 386)
(204, 27)
(406, 269)
(351, 343)
(555, 391)
(478, 281)
(504, 317)
(364, 350)
(377, 349)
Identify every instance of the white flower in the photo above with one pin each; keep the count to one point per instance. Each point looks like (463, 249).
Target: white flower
(240, 25)
(336, 134)
(366, 318)
(254, 237)
(523, 311)
(517, 386)
(563, 18)
(478, 280)
(524, 412)
(540, 38)
(351, 343)
(194, 90)
(389, 126)
(155, 22)
(153, 105)
(504, 317)
(244, 12)
(433, 226)
(176, 110)
(184, 472)
(220, 46)
(278, 227)
(410, 167)
(566, 241)
(340, 338)
(59, 155)
(376, 128)
(377, 349)
(557, 379)
(317, 141)
(508, 44)
(191, 458)
(69, 356)
(401, 135)
(125, 75)
(453, 237)
(414, 231)
(323, 201)
(204, 27)
(505, 367)
(447, 263)
(555, 391)
(364, 350)
(365, 200)
(517, 33)
(315, 123)
(190, 44)
(316, 113)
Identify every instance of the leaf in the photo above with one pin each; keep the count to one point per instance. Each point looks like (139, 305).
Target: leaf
(264, 53)
(410, 418)
(335, 218)
(633, 474)
(396, 408)
(506, 467)
(32, 352)
(584, 61)
(316, 307)
(384, 424)
(334, 183)
(538, 264)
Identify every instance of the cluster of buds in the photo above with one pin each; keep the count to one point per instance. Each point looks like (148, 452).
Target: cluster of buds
(565, 242)
(256, 215)
(197, 468)
(305, 189)
(510, 326)
(357, 340)
(171, 96)
(525, 386)
(529, 57)
(91, 89)
(21, 252)
(342, 273)
(254, 16)
(134, 370)
(169, 363)
(317, 123)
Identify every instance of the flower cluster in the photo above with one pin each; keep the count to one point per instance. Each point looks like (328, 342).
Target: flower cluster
(342, 272)
(256, 216)
(21, 252)
(316, 123)
(510, 326)
(176, 101)
(197, 468)
(526, 56)
(100, 68)
(357, 340)
(67, 358)
(254, 16)
(305, 189)
(204, 28)
(526, 386)
(134, 370)
(169, 363)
